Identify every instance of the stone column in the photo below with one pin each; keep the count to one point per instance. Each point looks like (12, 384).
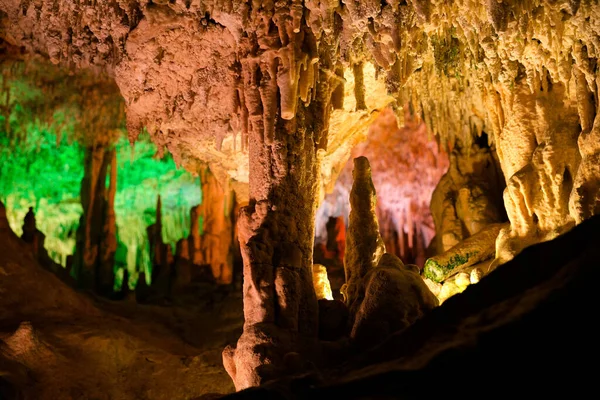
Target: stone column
(96, 235)
(285, 95)
(217, 236)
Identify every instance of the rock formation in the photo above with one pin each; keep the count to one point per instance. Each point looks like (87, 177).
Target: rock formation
(364, 246)
(99, 347)
(96, 236)
(321, 283)
(383, 295)
(503, 323)
(217, 228)
(468, 197)
(272, 96)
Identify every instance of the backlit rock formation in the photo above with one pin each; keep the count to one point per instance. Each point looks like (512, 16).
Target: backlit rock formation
(383, 295)
(96, 237)
(364, 246)
(217, 227)
(406, 165)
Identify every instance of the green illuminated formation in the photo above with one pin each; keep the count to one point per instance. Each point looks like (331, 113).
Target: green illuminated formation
(42, 153)
(140, 179)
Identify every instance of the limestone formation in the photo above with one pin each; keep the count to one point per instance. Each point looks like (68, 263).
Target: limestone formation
(364, 246)
(468, 197)
(406, 165)
(259, 92)
(395, 297)
(217, 229)
(321, 283)
(475, 249)
(96, 235)
(383, 295)
(276, 229)
(161, 258)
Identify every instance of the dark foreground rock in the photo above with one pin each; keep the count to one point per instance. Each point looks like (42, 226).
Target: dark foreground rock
(527, 329)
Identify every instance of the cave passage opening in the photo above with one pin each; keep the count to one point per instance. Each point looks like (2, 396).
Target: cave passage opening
(407, 163)
(44, 150)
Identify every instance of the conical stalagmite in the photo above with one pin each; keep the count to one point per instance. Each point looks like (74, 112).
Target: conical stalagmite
(364, 245)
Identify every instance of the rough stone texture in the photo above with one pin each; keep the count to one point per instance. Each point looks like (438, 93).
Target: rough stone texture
(540, 168)
(395, 297)
(506, 322)
(56, 343)
(364, 246)
(217, 229)
(468, 197)
(475, 249)
(276, 228)
(467, 67)
(177, 64)
(523, 72)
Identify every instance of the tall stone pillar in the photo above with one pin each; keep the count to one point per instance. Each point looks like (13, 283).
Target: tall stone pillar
(285, 98)
(217, 233)
(96, 235)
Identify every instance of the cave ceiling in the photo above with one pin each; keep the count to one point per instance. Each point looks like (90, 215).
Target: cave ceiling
(459, 65)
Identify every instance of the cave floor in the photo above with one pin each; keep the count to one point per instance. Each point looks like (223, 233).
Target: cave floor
(57, 343)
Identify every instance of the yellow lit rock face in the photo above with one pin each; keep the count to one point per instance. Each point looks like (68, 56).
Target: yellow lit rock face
(349, 126)
(521, 72)
(449, 289)
(321, 283)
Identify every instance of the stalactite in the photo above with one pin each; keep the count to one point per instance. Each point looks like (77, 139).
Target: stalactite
(359, 86)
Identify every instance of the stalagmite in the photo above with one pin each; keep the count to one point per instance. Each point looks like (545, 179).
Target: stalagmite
(29, 227)
(96, 235)
(161, 264)
(217, 229)
(383, 295)
(108, 247)
(321, 283)
(364, 246)
(194, 247)
(276, 229)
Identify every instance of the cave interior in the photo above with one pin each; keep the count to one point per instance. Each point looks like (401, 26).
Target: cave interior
(300, 199)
